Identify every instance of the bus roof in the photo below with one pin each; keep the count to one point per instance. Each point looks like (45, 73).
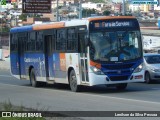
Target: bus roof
(49, 26)
(62, 24)
(110, 17)
(21, 29)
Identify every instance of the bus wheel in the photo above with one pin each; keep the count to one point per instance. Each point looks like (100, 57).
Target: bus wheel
(147, 78)
(33, 81)
(73, 82)
(121, 86)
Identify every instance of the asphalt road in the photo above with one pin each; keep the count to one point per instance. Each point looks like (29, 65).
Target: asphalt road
(58, 97)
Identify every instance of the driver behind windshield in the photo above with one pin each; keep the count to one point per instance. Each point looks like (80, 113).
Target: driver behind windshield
(128, 48)
(114, 46)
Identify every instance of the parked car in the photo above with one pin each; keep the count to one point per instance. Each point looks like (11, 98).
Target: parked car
(151, 67)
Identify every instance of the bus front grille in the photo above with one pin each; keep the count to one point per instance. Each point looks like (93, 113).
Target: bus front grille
(118, 72)
(117, 78)
(118, 66)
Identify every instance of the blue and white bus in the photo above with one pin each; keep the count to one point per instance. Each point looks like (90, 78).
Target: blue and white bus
(88, 52)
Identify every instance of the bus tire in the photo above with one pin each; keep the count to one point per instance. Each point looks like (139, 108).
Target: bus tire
(73, 82)
(121, 86)
(33, 80)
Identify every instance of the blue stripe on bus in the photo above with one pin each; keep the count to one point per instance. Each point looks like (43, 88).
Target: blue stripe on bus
(36, 60)
(21, 29)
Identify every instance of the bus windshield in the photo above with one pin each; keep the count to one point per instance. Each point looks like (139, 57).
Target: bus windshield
(115, 46)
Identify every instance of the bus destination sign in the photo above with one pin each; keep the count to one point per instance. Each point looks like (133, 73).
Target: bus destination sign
(36, 6)
(113, 24)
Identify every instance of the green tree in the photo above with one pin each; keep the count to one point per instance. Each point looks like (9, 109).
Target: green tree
(23, 17)
(88, 12)
(36, 16)
(3, 2)
(14, 5)
(97, 1)
(106, 12)
(5, 29)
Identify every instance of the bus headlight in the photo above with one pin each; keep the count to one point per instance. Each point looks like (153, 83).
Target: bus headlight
(139, 68)
(96, 70)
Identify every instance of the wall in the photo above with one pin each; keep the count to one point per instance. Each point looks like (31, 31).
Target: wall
(151, 42)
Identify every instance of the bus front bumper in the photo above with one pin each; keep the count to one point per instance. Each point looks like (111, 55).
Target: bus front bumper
(103, 79)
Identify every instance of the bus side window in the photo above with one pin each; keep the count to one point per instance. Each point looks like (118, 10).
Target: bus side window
(72, 39)
(14, 41)
(53, 41)
(81, 41)
(28, 43)
(39, 41)
(25, 41)
(31, 42)
(61, 40)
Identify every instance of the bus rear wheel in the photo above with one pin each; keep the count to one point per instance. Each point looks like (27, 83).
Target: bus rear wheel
(33, 81)
(73, 82)
(121, 86)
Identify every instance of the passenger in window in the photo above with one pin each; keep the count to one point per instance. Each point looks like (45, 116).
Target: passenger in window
(128, 51)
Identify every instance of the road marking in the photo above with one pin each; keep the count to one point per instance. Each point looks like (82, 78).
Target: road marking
(5, 76)
(126, 99)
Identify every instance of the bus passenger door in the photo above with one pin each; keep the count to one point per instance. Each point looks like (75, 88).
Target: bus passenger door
(48, 55)
(83, 58)
(21, 57)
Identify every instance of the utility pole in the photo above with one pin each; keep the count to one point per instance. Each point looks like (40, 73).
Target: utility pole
(123, 8)
(1, 34)
(57, 11)
(1, 30)
(80, 9)
(1, 38)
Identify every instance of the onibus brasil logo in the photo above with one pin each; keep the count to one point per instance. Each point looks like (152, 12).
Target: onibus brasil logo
(21, 114)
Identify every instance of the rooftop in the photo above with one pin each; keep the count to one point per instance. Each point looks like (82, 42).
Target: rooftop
(150, 32)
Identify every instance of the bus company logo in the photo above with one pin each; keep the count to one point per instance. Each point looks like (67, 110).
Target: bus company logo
(131, 69)
(6, 114)
(32, 60)
(119, 72)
